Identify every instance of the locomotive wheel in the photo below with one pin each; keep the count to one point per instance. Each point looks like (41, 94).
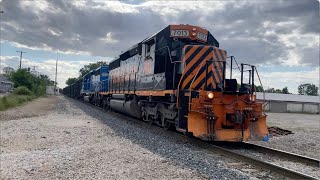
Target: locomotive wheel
(147, 118)
(144, 116)
(167, 125)
(164, 123)
(104, 104)
(150, 120)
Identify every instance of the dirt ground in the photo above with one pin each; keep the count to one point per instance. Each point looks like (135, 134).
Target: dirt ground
(305, 137)
(37, 107)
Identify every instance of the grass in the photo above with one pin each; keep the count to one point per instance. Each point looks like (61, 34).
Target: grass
(14, 100)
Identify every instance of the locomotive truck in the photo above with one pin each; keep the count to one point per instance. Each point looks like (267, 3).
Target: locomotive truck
(177, 79)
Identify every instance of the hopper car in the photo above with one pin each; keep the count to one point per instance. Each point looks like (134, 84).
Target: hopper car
(177, 79)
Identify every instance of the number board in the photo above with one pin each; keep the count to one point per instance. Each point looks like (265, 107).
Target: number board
(202, 36)
(104, 74)
(179, 33)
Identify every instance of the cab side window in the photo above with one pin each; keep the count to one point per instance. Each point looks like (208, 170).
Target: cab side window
(148, 46)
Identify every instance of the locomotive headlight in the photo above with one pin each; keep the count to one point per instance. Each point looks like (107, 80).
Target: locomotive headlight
(194, 29)
(210, 95)
(194, 34)
(252, 98)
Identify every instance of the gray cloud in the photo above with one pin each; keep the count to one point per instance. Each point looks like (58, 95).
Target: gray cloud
(253, 31)
(81, 28)
(244, 31)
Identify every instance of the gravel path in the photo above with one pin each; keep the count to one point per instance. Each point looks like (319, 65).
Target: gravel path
(74, 140)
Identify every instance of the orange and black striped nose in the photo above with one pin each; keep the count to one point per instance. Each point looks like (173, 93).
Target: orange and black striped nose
(203, 65)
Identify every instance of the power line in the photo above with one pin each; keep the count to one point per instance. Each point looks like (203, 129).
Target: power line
(21, 52)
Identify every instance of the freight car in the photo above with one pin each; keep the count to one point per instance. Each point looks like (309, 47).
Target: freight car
(176, 79)
(73, 90)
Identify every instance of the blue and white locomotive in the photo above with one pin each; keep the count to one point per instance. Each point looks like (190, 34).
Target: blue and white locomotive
(94, 82)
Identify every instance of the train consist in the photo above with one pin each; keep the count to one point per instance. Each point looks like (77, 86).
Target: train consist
(176, 79)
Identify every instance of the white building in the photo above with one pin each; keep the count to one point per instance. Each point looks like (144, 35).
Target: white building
(5, 84)
(276, 102)
(50, 90)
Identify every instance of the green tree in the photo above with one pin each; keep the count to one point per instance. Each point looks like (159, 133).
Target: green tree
(285, 90)
(8, 71)
(308, 89)
(40, 84)
(51, 83)
(22, 78)
(91, 66)
(271, 90)
(70, 81)
(36, 84)
(259, 88)
(278, 91)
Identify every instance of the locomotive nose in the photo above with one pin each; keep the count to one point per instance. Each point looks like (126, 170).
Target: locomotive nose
(203, 68)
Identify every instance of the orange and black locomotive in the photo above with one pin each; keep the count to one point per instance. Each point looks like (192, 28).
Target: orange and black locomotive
(177, 79)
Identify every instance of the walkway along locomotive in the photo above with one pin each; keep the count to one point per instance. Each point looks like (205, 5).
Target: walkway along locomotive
(177, 79)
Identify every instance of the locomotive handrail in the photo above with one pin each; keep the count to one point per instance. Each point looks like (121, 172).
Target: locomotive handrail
(232, 57)
(263, 92)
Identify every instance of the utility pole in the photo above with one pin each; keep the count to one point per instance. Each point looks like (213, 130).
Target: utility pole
(55, 84)
(1, 12)
(34, 70)
(20, 57)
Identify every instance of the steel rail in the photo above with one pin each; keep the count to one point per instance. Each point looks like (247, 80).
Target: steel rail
(221, 151)
(258, 163)
(264, 149)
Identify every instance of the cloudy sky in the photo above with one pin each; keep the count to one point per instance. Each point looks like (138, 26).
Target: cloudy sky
(280, 37)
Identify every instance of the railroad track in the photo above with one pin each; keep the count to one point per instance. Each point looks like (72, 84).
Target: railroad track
(228, 150)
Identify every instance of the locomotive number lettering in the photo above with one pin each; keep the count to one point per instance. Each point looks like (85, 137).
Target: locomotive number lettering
(179, 33)
(202, 36)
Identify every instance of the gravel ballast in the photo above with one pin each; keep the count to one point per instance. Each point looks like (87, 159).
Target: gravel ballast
(74, 140)
(305, 137)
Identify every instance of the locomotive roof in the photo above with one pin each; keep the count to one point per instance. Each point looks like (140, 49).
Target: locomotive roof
(150, 37)
(94, 70)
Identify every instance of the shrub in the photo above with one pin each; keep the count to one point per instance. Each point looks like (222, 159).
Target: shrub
(13, 100)
(22, 90)
(40, 90)
(2, 107)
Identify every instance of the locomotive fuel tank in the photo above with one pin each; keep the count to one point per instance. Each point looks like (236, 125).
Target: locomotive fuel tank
(127, 107)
